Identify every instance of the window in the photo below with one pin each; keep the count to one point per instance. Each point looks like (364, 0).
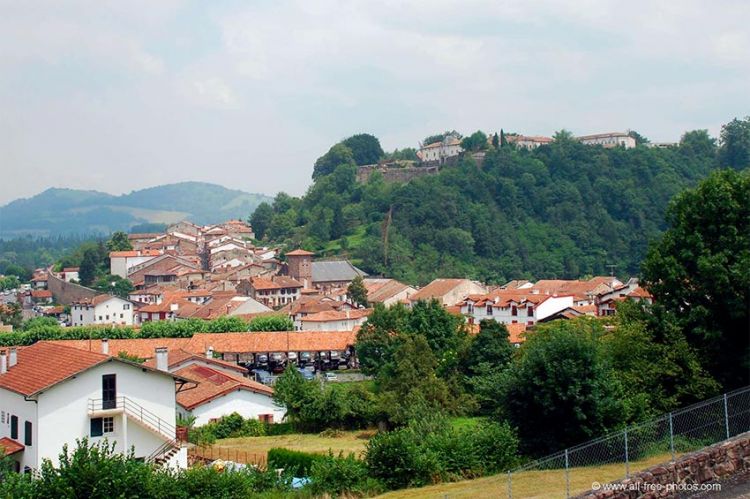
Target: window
(96, 427)
(3, 418)
(266, 418)
(489, 309)
(126, 306)
(27, 433)
(81, 317)
(100, 317)
(514, 310)
(529, 311)
(108, 425)
(14, 427)
(120, 316)
(109, 391)
(107, 316)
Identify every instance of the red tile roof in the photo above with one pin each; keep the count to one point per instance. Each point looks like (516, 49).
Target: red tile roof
(134, 253)
(213, 384)
(180, 356)
(337, 315)
(300, 252)
(141, 347)
(45, 364)
(41, 293)
(293, 341)
(10, 446)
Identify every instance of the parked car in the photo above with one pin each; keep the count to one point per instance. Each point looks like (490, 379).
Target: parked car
(331, 376)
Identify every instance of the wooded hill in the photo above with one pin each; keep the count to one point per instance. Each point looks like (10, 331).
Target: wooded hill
(563, 210)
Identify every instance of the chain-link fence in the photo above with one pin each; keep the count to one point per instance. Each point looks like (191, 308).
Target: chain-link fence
(617, 455)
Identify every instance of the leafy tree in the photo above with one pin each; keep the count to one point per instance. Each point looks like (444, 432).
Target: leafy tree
(119, 242)
(88, 268)
(735, 143)
(495, 141)
(357, 292)
(9, 282)
(365, 148)
(337, 155)
(477, 141)
(491, 346)
(114, 284)
(10, 314)
(561, 390)
(503, 139)
(699, 271)
(292, 392)
(410, 378)
(271, 323)
(439, 137)
(698, 143)
(261, 219)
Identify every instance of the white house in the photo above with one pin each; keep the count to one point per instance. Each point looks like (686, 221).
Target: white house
(448, 292)
(512, 307)
(69, 274)
(221, 392)
(332, 320)
(120, 262)
(528, 142)
(387, 291)
(102, 309)
(449, 147)
(51, 395)
(608, 140)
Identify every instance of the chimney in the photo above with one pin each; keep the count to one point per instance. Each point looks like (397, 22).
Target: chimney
(210, 352)
(13, 359)
(3, 362)
(162, 363)
(105, 346)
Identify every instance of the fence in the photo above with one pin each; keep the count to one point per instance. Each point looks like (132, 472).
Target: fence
(209, 454)
(614, 456)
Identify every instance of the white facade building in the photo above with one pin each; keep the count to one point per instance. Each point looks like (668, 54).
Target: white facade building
(120, 262)
(608, 140)
(102, 309)
(51, 395)
(449, 147)
(513, 307)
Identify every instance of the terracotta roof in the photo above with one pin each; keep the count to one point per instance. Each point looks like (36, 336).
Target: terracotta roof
(213, 384)
(300, 252)
(71, 269)
(180, 356)
(262, 283)
(379, 290)
(138, 347)
(337, 315)
(292, 341)
(10, 446)
(436, 289)
(134, 253)
(45, 364)
(639, 292)
(41, 293)
(516, 332)
(143, 235)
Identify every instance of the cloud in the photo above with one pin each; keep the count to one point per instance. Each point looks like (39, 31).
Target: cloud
(249, 94)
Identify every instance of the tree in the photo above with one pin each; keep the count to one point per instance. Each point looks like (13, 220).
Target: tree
(88, 268)
(735, 144)
(699, 271)
(114, 284)
(503, 139)
(561, 391)
(119, 242)
(337, 155)
(698, 143)
(491, 346)
(357, 292)
(477, 141)
(10, 314)
(639, 139)
(292, 392)
(495, 141)
(365, 148)
(261, 219)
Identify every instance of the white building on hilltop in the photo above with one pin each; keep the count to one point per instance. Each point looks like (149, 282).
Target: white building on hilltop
(449, 147)
(608, 140)
(51, 395)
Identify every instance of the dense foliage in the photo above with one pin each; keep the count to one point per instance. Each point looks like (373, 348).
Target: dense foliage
(699, 272)
(560, 211)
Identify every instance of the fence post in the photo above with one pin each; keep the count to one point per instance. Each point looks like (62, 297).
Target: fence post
(627, 462)
(510, 486)
(567, 475)
(726, 415)
(671, 436)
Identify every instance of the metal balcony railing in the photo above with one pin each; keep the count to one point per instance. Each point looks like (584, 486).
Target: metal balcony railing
(136, 412)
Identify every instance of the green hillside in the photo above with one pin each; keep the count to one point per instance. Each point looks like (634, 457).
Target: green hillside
(563, 210)
(72, 211)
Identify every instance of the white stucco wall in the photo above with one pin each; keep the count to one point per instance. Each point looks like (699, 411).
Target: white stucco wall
(247, 404)
(14, 404)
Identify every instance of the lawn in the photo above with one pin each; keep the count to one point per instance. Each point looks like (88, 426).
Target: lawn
(530, 484)
(348, 441)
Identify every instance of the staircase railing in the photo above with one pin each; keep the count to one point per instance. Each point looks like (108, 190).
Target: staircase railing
(136, 412)
(162, 451)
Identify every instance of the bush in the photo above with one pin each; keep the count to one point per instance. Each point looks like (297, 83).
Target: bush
(341, 475)
(294, 462)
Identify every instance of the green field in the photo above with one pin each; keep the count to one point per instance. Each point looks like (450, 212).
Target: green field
(348, 441)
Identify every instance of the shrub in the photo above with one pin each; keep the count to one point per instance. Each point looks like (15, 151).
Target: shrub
(294, 462)
(341, 475)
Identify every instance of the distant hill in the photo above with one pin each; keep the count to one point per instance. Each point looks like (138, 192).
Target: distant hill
(72, 211)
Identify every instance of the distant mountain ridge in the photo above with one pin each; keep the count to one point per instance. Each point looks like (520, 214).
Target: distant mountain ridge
(72, 211)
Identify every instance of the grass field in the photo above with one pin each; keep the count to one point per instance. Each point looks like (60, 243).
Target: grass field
(349, 441)
(531, 484)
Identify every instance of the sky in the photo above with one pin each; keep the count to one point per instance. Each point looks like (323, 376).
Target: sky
(117, 96)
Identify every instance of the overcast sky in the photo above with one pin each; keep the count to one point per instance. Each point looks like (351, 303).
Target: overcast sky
(121, 95)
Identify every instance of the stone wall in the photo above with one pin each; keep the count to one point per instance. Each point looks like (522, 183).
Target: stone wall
(719, 462)
(66, 293)
(391, 174)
